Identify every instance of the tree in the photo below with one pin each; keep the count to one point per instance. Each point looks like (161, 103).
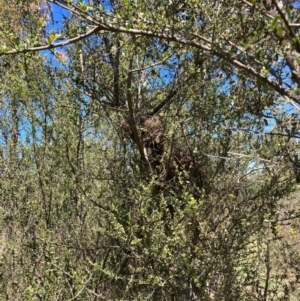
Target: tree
(152, 152)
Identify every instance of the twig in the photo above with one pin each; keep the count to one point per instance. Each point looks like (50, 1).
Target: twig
(83, 287)
(252, 157)
(152, 65)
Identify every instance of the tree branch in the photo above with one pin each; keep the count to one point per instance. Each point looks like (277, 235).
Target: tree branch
(53, 45)
(170, 96)
(131, 114)
(168, 37)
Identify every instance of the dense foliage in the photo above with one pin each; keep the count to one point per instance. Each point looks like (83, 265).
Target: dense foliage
(149, 150)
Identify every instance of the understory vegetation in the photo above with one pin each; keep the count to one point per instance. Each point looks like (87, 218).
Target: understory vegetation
(149, 150)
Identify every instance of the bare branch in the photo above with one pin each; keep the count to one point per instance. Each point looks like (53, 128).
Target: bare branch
(152, 65)
(131, 114)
